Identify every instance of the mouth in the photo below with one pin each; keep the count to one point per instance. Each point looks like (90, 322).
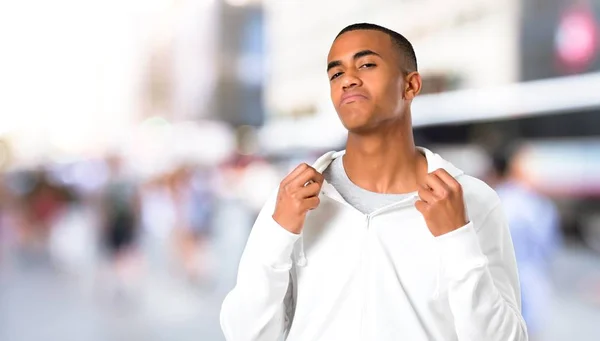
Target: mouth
(352, 99)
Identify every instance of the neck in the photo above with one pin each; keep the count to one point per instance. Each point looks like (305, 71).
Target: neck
(386, 160)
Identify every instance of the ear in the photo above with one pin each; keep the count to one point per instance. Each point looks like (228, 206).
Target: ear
(412, 85)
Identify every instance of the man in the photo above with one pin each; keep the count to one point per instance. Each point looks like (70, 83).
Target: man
(384, 241)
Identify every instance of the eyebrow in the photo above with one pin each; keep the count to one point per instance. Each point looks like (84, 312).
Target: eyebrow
(356, 56)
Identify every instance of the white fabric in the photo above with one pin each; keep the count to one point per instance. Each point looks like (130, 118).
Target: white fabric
(379, 276)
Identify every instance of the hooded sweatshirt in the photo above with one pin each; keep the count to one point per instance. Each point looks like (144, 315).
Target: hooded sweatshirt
(378, 276)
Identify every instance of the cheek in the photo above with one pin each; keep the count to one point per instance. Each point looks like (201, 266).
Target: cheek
(392, 93)
(334, 93)
(379, 91)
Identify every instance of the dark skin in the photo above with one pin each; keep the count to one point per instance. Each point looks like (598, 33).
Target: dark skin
(372, 92)
(379, 115)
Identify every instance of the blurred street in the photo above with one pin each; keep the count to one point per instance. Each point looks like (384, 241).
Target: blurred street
(39, 302)
(42, 305)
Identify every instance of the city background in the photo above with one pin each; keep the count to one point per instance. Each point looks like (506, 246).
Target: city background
(139, 139)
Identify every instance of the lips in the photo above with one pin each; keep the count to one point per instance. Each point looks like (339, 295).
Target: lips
(352, 97)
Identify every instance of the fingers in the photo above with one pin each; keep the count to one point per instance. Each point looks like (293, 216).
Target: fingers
(310, 190)
(448, 180)
(438, 187)
(421, 206)
(426, 194)
(308, 174)
(310, 203)
(298, 193)
(293, 174)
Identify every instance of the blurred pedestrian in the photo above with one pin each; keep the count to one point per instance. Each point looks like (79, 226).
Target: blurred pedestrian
(535, 230)
(194, 205)
(120, 209)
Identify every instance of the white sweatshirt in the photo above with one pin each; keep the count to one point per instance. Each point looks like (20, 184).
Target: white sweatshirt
(382, 276)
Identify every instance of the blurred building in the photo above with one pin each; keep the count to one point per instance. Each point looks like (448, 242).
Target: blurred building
(456, 41)
(208, 63)
(459, 44)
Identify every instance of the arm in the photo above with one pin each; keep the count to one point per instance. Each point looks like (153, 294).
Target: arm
(256, 308)
(483, 286)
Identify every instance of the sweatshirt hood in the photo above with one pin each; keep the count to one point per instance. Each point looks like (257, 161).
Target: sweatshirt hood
(434, 162)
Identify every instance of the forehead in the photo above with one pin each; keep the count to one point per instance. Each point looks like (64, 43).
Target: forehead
(346, 45)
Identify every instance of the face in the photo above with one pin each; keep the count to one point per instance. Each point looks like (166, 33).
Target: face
(368, 86)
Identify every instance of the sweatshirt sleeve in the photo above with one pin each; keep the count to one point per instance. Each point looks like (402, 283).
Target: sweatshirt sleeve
(481, 275)
(256, 309)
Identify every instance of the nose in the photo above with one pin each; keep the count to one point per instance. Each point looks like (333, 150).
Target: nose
(350, 81)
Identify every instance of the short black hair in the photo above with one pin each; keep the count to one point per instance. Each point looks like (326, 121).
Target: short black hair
(500, 162)
(404, 46)
(502, 157)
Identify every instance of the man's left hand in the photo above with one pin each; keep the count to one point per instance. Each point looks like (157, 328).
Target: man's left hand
(441, 203)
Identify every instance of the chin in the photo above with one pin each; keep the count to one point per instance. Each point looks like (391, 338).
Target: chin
(361, 130)
(358, 126)
(356, 120)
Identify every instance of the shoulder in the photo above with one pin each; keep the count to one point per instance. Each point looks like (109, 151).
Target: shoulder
(479, 197)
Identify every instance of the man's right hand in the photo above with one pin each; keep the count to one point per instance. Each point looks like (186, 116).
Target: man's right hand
(298, 193)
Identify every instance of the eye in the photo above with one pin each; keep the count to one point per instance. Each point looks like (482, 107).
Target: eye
(336, 75)
(367, 65)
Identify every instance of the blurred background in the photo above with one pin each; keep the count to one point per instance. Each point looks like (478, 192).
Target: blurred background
(139, 139)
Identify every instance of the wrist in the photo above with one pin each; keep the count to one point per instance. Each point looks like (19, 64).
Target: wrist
(286, 225)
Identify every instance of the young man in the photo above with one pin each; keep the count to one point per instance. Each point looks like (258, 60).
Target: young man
(384, 241)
